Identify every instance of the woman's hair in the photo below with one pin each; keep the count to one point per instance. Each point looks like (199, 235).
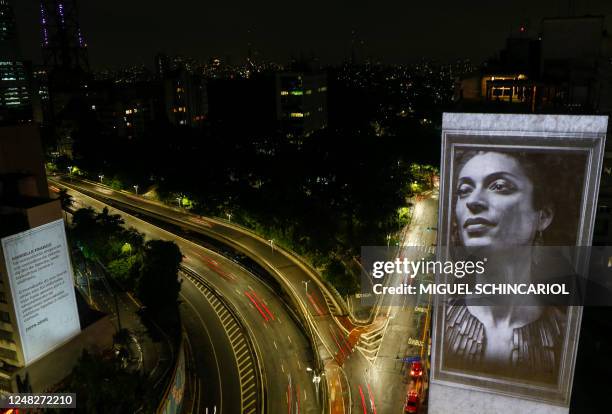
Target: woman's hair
(557, 179)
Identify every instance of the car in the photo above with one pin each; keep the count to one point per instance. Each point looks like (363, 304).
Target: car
(412, 402)
(416, 369)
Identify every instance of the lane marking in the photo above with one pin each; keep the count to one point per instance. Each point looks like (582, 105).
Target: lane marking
(363, 404)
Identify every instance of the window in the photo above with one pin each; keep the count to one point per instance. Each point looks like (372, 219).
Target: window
(6, 335)
(5, 317)
(8, 353)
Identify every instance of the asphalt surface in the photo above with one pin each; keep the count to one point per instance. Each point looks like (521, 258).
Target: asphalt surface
(333, 344)
(283, 348)
(364, 366)
(380, 377)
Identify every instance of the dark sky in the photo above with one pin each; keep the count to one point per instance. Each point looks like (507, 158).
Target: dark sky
(124, 32)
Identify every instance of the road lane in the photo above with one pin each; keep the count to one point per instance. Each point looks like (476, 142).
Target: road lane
(292, 348)
(290, 271)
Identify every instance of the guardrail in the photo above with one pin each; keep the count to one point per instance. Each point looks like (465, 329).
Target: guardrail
(174, 395)
(301, 313)
(248, 335)
(331, 291)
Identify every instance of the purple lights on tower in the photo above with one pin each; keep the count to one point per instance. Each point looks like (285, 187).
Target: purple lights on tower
(64, 45)
(60, 11)
(44, 21)
(81, 40)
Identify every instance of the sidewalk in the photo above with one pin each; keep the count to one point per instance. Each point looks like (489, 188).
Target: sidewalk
(149, 352)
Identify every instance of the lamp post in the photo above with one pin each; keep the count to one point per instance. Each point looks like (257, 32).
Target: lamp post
(316, 379)
(136, 189)
(388, 239)
(178, 200)
(305, 282)
(271, 244)
(70, 172)
(101, 177)
(229, 217)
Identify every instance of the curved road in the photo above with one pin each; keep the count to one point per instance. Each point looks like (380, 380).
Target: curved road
(284, 349)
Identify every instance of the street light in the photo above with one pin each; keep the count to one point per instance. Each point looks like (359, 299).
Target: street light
(305, 282)
(316, 379)
(388, 239)
(70, 172)
(136, 188)
(178, 200)
(101, 176)
(229, 217)
(272, 244)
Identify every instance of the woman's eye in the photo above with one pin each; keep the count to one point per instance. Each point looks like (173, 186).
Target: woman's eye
(502, 186)
(464, 190)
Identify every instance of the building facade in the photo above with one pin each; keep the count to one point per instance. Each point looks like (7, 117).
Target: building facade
(15, 93)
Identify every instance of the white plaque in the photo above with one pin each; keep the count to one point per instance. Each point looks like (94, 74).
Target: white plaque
(41, 284)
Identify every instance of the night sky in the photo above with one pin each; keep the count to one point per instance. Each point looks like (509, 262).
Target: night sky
(125, 32)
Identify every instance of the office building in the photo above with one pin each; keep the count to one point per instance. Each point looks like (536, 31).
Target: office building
(301, 103)
(15, 94)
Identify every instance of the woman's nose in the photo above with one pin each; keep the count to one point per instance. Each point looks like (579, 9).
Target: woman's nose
(476, 203)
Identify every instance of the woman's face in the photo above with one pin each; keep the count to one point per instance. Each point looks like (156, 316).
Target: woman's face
(495, 202)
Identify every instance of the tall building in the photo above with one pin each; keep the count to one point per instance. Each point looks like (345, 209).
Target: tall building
(66, 67)
(63, 44)
(185, 97)
(15, 98)
(301, 103)
(293, 104)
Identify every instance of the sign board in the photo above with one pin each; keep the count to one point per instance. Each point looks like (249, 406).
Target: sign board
(512, 185)
(41, 284)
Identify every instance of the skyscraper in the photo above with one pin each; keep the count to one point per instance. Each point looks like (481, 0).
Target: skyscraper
(63, 43)
(64, 47)
(15, 100)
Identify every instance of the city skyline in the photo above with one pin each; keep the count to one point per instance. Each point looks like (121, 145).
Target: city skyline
(389, 33)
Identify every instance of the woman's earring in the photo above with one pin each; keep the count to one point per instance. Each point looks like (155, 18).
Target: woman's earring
(539, 240)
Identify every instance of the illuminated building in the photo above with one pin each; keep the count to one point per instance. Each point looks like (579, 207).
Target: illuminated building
(15, 99)
(63, 44)
(508, 83)
(185, 97)
(301, 103)
(293, 104)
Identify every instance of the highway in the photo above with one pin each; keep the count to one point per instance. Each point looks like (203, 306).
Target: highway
(315, 309)
(222, 367)
(363, 366)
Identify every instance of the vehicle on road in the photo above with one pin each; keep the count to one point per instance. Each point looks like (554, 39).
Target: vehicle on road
(412, 402)
(416, 369)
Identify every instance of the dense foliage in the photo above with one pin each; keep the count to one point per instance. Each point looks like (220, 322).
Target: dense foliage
(150, 269)
(324, 196)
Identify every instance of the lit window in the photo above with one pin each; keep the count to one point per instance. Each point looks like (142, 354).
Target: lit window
(284, 93)
(296, 115)
(297, 93)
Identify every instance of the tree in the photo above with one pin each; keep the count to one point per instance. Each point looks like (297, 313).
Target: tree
(103, 387)
(85, 231)
(110, 223)
(66, 200)
(158, 285)
(126, 270)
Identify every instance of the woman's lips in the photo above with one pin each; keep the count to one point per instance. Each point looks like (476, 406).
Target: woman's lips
(477, 225)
